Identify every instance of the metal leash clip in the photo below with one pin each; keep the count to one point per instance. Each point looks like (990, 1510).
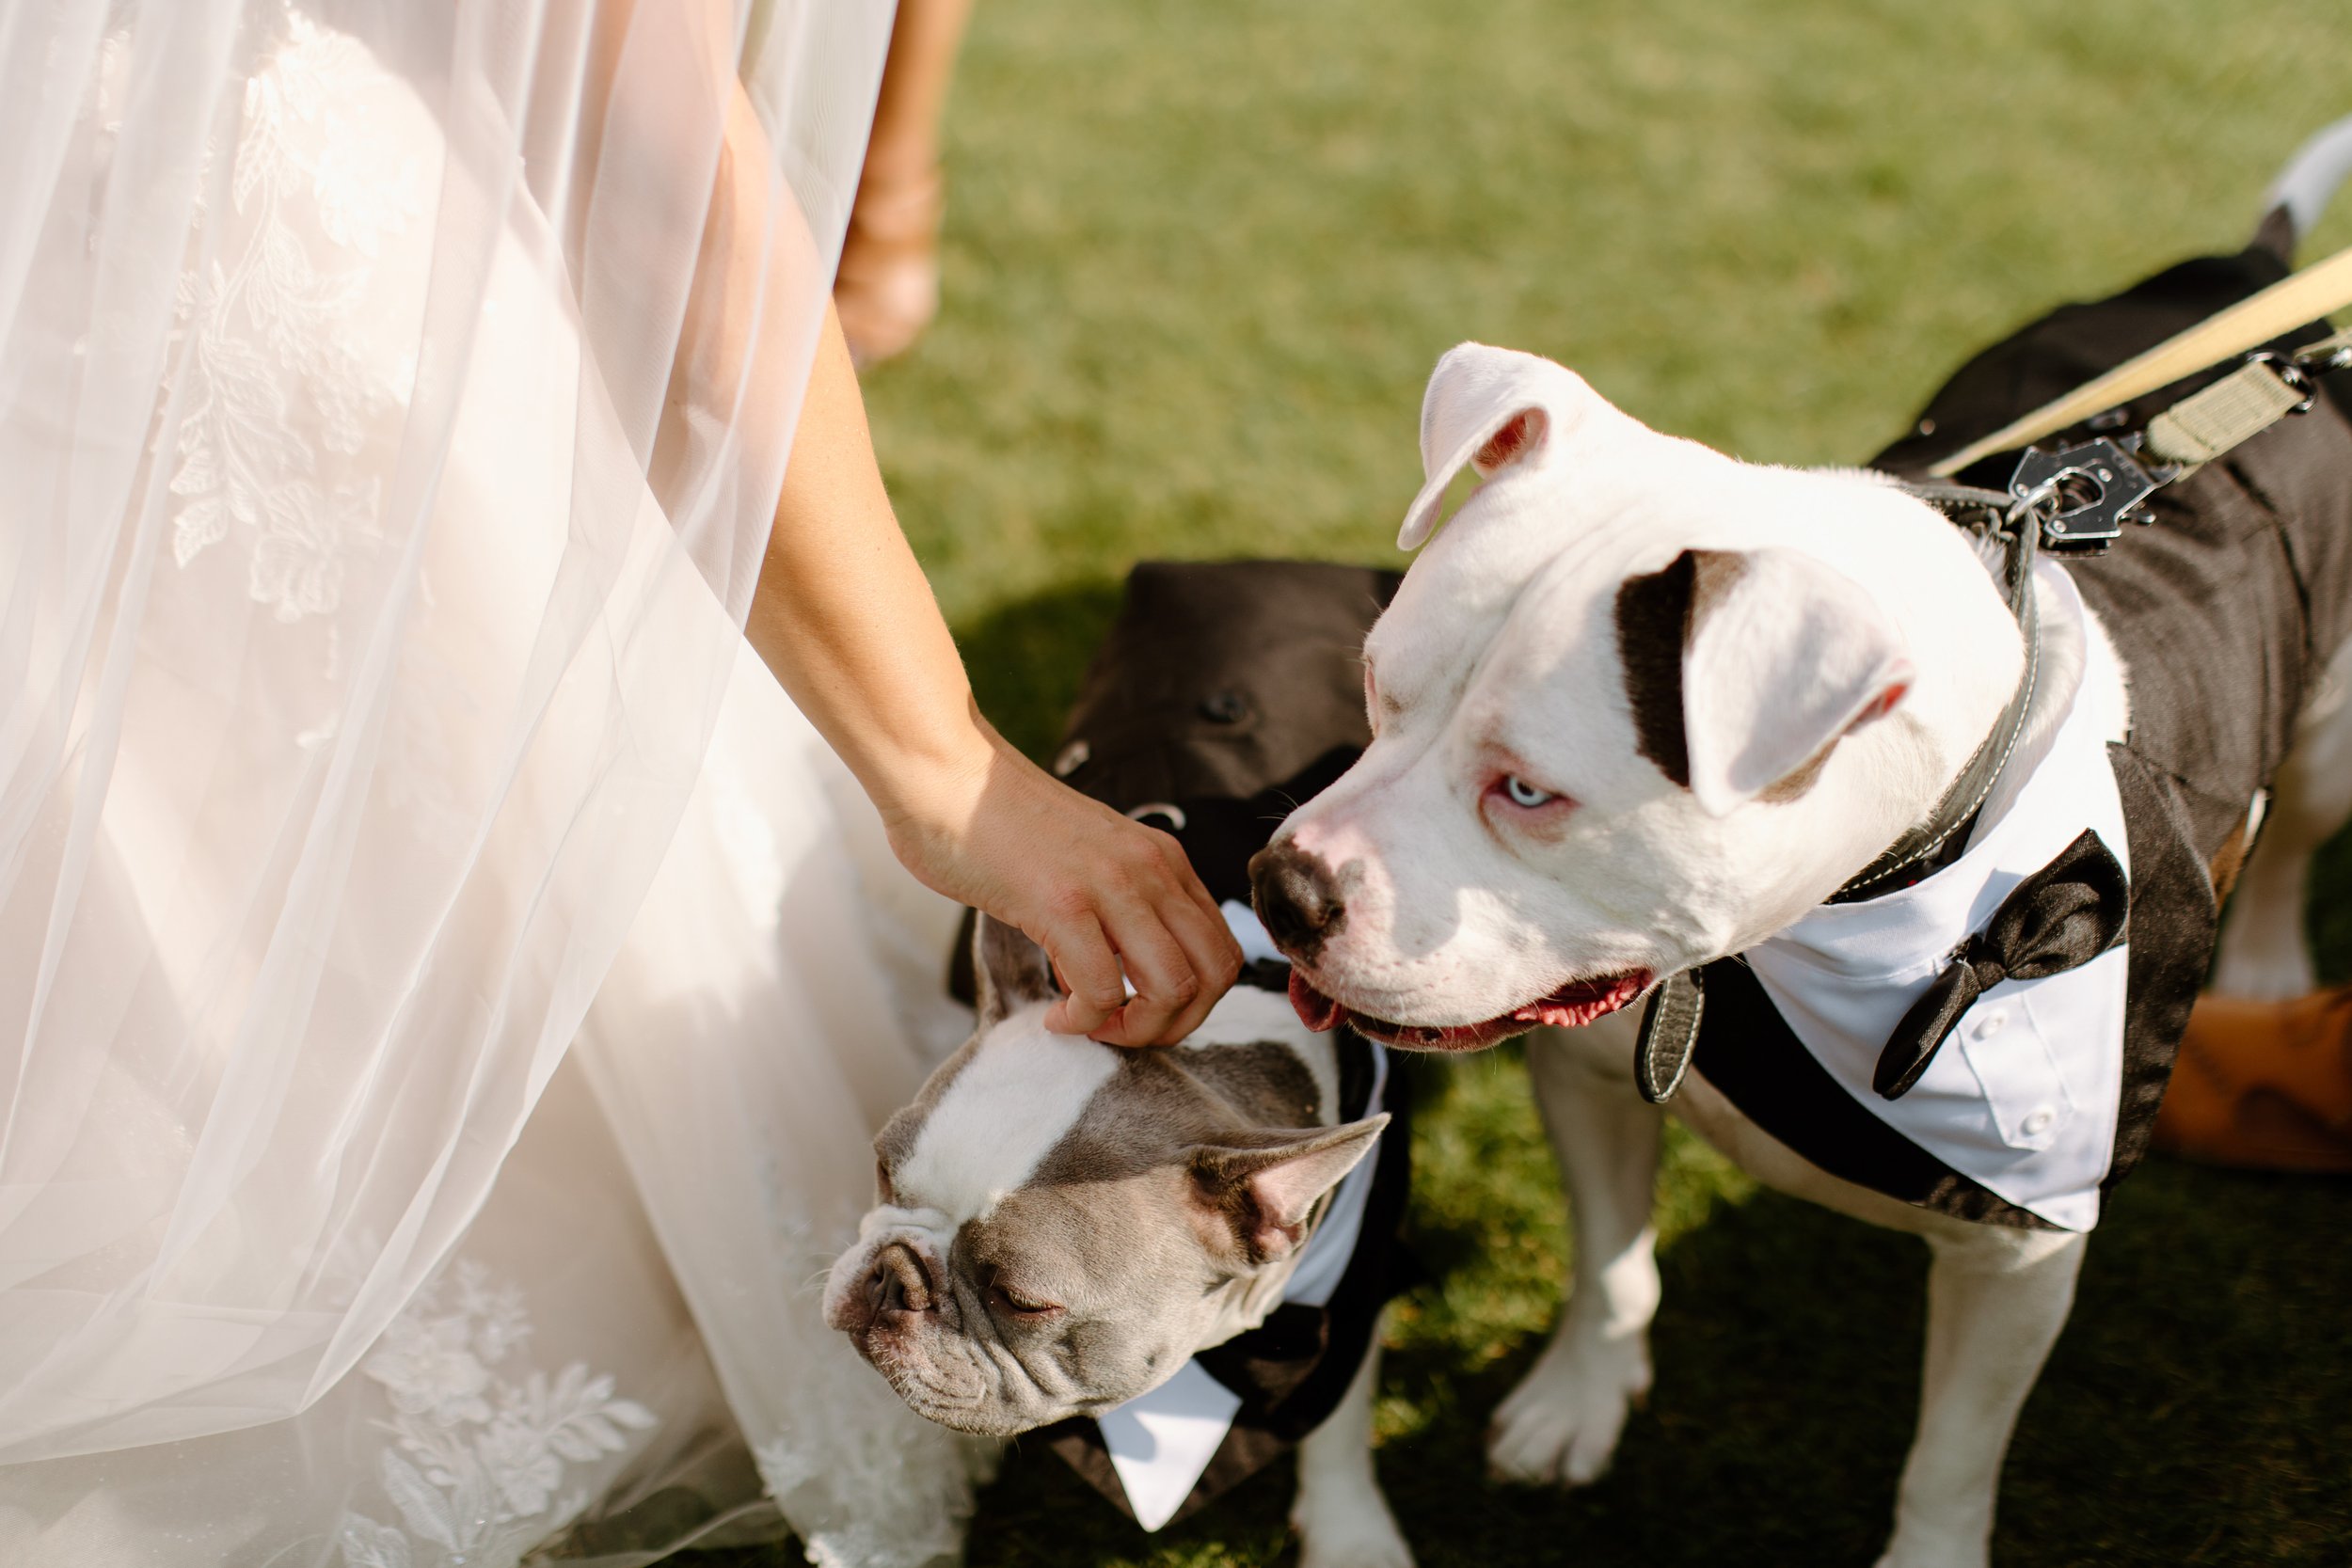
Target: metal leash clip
(2300, 375)
(2083, 494)
(2302, 368)
(2325, 356)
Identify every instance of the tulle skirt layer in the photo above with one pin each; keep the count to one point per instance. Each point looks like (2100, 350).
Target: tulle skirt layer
(446, 991)
(623, 1353)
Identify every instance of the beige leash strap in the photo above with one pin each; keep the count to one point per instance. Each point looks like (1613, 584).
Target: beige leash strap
(2290, 303)
(2239, 406)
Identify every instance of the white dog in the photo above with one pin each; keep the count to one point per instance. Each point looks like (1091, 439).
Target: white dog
(1641, 707)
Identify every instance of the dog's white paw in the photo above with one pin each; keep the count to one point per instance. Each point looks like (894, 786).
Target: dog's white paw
(1963, 1540)
(1561, 1424)
(1347, 1528)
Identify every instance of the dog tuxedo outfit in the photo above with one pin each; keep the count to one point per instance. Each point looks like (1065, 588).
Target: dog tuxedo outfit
(1224, 695)
(1991, 1036)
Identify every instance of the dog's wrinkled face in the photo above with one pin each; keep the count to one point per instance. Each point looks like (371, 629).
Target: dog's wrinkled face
(1063, 1224)
(1627, 717)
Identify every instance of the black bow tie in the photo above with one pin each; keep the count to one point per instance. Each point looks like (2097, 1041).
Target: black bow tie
(2059, 918)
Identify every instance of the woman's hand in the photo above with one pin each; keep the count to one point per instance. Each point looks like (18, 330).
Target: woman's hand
(1098, 892)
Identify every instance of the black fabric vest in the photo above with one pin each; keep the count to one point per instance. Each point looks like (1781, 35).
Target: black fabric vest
(1231, 692)
(2224, 610)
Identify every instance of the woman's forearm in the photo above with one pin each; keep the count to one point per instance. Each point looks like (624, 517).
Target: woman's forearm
(842, 613)
(844, 616)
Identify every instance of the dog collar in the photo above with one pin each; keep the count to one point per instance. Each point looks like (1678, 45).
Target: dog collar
(1930, 843)
(1670, 1027)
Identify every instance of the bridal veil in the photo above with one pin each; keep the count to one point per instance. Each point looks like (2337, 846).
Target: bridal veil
(445, 988)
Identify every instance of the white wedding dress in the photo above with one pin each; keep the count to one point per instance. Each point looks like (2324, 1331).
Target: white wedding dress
(447, 991)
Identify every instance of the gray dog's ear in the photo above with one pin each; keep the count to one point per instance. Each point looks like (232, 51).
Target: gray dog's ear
(1267, 1182)
(1492, 408)
(1012, 971)
(1743, 668)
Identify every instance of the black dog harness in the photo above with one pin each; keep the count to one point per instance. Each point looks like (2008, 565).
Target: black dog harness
(2222, 613)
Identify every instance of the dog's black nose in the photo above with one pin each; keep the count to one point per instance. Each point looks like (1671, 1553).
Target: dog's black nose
(896, 1286)
(1297, 896)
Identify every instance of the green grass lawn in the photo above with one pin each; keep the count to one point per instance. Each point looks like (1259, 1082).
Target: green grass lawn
(1201, 256)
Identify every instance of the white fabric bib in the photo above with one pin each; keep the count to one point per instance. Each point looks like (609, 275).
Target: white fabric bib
(2022, 1097)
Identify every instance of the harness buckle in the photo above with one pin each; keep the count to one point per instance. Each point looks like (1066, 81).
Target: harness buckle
(2325, 356)
(2083, 495)
(2298, 373)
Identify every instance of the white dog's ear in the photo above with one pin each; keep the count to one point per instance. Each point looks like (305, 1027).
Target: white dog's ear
(1744, 668)
(1012, 971)
(1267, 1182)
(1490, 408)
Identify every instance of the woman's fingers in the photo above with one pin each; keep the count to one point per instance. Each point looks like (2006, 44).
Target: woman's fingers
(1111, 900)
(1093, 993)
(1167, 986)
(1177, 954)
(1211, 954)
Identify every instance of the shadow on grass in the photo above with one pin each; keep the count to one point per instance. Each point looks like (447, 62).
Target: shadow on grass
(1026, 659)
(2196, 1411)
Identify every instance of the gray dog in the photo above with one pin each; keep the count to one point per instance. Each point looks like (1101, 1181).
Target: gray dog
(1170, 1264)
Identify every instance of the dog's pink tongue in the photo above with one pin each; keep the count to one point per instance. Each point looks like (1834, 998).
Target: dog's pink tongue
(1316, 1010)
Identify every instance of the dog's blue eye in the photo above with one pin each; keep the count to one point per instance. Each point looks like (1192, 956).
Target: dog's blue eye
(1524, 795)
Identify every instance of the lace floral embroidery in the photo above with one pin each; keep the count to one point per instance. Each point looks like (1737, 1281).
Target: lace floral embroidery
(272, 326)
(476, 1465)
(866, 1482)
